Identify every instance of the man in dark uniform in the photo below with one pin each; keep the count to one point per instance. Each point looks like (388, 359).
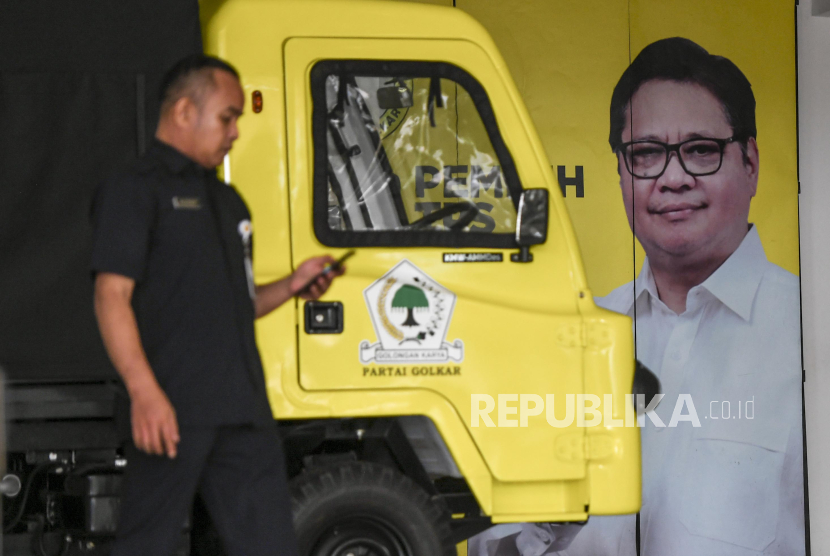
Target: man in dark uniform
(176, 304)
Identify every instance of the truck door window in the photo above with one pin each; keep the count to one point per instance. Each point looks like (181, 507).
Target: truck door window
(408, 153)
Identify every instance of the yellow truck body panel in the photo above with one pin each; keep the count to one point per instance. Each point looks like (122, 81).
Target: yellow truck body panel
(525, 329)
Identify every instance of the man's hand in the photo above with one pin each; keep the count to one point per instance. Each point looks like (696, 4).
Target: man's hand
(534, 539)
(155, 429)
(316, 266)
(301, 283)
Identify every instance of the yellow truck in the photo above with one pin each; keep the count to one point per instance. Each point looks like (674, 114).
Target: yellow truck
(425, 397)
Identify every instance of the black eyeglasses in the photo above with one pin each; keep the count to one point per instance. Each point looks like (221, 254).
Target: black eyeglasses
(698, 157)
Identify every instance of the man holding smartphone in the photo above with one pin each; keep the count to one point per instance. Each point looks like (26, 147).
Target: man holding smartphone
(176, 303)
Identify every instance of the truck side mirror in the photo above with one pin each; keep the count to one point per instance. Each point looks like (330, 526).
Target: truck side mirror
(531, 223)
(394, 96)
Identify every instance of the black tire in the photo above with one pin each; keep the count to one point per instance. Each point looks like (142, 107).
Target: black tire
(364, 509)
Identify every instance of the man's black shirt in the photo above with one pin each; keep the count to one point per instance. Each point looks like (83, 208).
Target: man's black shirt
(183, 236)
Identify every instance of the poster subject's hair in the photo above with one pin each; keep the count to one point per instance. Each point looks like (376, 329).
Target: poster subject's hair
(684, 61)
(191, 76)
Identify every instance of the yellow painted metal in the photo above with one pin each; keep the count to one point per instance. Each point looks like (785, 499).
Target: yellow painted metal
(526, 328)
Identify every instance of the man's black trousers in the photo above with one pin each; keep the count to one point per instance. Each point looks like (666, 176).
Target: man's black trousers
(239, 471)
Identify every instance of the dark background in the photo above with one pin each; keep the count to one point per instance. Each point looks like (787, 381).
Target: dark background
(78, 101)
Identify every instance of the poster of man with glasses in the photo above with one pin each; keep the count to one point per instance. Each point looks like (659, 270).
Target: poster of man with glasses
(715, 320)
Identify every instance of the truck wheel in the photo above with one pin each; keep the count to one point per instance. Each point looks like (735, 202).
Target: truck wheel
(364, 509)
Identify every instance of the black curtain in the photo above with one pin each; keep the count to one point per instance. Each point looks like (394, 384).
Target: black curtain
(78, 102)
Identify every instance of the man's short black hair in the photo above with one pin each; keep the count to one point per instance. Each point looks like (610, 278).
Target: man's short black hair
(684, 61)
(189, 77)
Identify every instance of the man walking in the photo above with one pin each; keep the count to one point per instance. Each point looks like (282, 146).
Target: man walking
(176, 303)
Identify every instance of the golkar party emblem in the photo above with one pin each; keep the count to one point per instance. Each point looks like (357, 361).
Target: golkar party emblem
(411, 313)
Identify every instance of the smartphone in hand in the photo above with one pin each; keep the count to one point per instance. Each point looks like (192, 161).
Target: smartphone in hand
(329, 268)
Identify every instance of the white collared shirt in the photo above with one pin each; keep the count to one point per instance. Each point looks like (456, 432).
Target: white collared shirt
(734, 485)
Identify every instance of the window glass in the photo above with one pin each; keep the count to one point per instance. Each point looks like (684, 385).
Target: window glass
(408, 153)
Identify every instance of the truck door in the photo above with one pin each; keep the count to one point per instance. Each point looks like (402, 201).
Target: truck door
(418, 166)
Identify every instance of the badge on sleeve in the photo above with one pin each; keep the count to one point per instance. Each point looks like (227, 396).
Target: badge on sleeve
(245, 231)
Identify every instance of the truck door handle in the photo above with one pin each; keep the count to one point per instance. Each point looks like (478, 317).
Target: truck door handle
(323, 317)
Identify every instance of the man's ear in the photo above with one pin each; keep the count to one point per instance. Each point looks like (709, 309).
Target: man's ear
(752, 163)
(184, 112)
(620, 166)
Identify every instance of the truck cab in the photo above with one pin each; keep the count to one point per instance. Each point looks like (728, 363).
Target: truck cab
(446, 353)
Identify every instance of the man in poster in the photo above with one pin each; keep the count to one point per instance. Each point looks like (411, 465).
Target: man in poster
(714, 320)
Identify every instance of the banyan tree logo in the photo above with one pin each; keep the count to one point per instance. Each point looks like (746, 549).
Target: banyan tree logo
(411, 314)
